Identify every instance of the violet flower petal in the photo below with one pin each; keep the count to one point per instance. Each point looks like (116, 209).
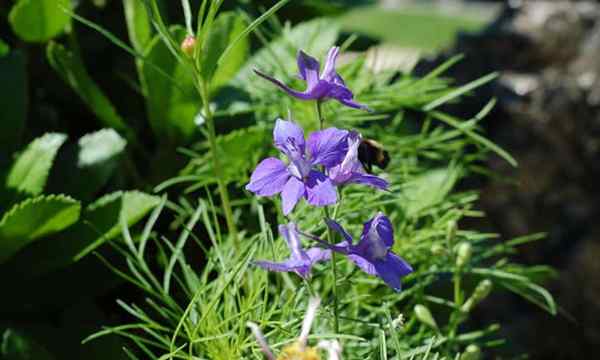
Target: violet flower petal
(329, 73)
(284, 87)
(327, 147)
(369, 180)
(378, 232)
(391, 269)
(288, 134)
(319, 189)
(293, 190)
(317, 254)
(308, 68)
(298, 266)
(269, 177)
(333, 225)
(363, 264)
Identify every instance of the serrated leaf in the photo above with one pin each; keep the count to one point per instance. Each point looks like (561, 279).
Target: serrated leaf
(278, 58)
(138, 24)
(222, 31)
(39, 20)
(99, 223)
(83, 169)
(29, 173)
(13, 101)
(70, 67)
(428, 189)
(35, 218)
(172, 102)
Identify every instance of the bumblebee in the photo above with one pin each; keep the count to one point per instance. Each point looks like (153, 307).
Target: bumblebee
(371, 153)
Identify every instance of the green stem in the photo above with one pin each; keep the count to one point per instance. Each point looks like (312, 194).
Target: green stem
(336, 317)
(212, 140)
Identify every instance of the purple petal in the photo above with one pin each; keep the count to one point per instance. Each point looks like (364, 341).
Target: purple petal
(353, 104)
(391, 270)
(287, 134)
(298, 266)
(340, 92)
(363, 264)
(308, 68)
(328, 147)
(293, 190)
(333, 225)
(319, 189)
(367, 179)
(378, 231)
(329, 73)
(316, 254)
(290, 233)
(284, 87)
(269, 177)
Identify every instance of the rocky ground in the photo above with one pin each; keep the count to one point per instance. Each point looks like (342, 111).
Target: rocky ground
(548, 117)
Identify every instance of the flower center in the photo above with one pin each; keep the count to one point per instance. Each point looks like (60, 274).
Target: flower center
(299, 167)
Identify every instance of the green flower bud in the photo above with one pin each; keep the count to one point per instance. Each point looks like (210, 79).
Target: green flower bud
(424, 315)
(463, 254)
(451, 232)
(472, 352)
(482, 290)
(437, 249)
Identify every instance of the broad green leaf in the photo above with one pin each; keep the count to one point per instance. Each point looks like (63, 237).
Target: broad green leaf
(138, 24)
(222, 32)
(39, 20)
(16, 345)
(83, 169)
(70, 67)
(33, 219)
(278, 57)
(13, 101)
(172, 103)
(428, 190)
(29, 173)
(99, 223)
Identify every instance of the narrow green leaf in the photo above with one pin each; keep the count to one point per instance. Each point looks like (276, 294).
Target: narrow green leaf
(138, 24)
(242, 35)
(13, 101)
(172, 104)
(30, 171)
(69, 65)
(33, 219)
(460, 91)
(39, 20)
(232, 25)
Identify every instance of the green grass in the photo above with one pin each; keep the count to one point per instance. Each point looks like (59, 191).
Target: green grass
(421, 28)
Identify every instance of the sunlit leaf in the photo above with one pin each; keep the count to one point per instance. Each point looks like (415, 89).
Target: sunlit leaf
(35, 218)
(39, 20)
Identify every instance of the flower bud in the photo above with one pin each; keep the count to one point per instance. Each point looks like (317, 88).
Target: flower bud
(424, 315)
(188, 45)
(437, 249)
(472, 352)
(451, 232)
(482, 290)
(463, 254)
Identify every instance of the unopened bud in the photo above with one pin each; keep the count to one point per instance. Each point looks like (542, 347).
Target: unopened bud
(437, 249)
(472, 352)
(451, 232)
(188, 45)
(424, 315)
(482, 290)
(463, 254)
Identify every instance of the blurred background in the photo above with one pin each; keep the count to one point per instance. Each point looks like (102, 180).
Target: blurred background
(547, 117)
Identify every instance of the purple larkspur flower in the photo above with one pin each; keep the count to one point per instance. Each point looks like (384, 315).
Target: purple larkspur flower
(300, 178)
(300, 260)
(373, 252)
(320, 86)
(351, 171)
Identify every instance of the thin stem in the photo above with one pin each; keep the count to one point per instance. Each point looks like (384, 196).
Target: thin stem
(223, 192)
(336, 322)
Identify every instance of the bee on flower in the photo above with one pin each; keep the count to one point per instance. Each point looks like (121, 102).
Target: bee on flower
(299, 349)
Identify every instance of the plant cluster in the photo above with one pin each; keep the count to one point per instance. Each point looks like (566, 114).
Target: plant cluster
(212, 98)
